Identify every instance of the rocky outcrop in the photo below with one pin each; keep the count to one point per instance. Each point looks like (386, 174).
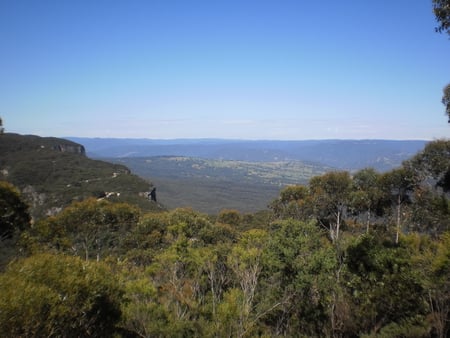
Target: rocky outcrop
(70, 148)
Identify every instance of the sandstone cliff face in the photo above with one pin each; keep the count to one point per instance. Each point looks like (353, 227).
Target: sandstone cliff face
(70, 148)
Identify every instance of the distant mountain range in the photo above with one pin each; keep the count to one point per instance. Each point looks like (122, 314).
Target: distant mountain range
(206, 174)
(382, 155)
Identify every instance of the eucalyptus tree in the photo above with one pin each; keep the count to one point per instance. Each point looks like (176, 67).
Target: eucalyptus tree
(294, 202)
(90, 229)
(298, 267)
(366, 193)
(441, 9)
(433, 162)
(446, 100)
(398, 186)
(330, 195)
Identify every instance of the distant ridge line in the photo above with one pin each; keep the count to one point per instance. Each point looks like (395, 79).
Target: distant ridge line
(348, 154)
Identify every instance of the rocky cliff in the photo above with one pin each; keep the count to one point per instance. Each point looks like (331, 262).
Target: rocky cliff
(51, 173)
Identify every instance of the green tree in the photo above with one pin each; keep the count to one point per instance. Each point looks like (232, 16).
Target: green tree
(231, 217)
(398, 185)
(436, 273)
(176, 274)
(145, 240)
(186, 223)
(98, 228)
(142, 313)
(14, 219)
(293, 202)
(245, 260)
(58, 296)
(1, 126)
(433, 163)
(441, 9)
(383, 283)
(14, 214)
(299, 265)
(331, 197)
(430, 212)
(46, 235)
(446, 100)
(366, 193)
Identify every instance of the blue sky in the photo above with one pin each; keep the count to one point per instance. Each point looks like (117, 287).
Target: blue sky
(280, 69)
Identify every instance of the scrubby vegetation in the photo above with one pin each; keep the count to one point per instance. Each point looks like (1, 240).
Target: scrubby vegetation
(347, 255)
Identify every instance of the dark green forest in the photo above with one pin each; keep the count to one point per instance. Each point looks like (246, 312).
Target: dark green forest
(362, 254)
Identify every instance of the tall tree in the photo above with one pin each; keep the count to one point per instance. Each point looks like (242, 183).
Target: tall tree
(434, 162)
(299, 264)
(398, 185)
(366, 193)
(245, 260)
(441, 9)
(331, 195)
(446, 100)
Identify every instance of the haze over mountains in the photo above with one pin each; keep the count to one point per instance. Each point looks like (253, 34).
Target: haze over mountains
(210, 175)
(382, 155)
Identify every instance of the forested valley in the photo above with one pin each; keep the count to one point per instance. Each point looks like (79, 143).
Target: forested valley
(364, 254)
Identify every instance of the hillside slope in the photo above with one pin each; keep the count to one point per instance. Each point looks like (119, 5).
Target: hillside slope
(52, 172)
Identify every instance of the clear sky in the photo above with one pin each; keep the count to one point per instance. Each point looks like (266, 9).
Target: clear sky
(280, 69)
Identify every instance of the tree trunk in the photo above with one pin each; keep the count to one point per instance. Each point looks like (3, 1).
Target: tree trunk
(338, 224)
(399, 202)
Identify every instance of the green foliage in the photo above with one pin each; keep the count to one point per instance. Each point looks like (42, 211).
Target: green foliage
(141, 312)
(306, 269)
(331, 197)
(187, 223)
(384, 286)
(441, 9)
(89, 229)
(299, 267)
(434, 162)
(439, 286)
(146, 239)
(14, 218)
(446, 95)
(230, 217)
(294, 201)
(366, 195)
(14, 215)
(410, 328)
(53, 295)
(430, 212)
